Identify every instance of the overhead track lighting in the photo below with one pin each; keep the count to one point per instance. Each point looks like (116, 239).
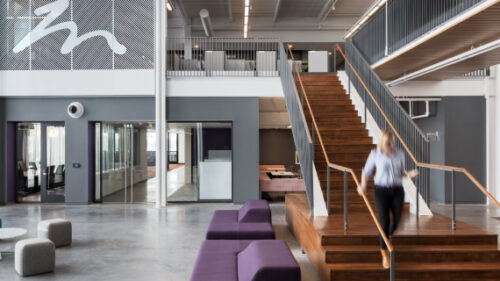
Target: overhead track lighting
(245, 18)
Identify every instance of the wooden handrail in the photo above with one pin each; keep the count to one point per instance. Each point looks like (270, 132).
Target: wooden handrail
(336, 166)
(420, 164)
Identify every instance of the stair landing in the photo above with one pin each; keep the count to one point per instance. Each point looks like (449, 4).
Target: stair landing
(426, 248)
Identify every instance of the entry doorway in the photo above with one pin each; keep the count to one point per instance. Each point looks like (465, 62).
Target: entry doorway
(125, 162)
(201, 170)
(40, 162)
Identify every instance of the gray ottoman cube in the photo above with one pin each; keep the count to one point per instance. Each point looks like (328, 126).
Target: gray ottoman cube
(56, 230)
(34, 256)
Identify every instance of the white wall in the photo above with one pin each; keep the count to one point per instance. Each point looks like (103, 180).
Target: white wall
(77, 83)
(224, 87)
(455, 87)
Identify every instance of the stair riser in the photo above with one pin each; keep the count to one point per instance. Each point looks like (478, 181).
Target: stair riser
(413, 240)
(460, 275)
(413, 256)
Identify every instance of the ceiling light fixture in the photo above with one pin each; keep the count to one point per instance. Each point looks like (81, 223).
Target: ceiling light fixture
(245, 18)
(367, 15)
(170, 7)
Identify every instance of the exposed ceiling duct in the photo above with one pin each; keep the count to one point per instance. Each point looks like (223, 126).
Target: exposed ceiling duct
(207, 23)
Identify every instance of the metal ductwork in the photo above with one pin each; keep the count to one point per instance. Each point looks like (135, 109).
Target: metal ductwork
(207, 23)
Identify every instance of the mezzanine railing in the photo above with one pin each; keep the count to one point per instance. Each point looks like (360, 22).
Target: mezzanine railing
(222, 57)
(407, 20)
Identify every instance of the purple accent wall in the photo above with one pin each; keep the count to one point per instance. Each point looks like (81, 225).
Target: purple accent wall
(91, 156)
(11, 162)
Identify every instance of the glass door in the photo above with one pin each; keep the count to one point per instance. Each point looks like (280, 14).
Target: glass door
(53, 162)
(125, 162)
(41, 159)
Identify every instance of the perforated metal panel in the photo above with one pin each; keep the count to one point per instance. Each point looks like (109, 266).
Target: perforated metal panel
(119, 34)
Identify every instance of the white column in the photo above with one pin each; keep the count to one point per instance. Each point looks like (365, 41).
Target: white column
(160, 103)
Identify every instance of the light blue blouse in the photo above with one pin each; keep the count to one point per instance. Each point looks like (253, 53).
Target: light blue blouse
(390, 170)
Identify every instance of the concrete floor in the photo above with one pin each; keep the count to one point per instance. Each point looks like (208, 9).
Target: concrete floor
(129, 242)
(140, 242)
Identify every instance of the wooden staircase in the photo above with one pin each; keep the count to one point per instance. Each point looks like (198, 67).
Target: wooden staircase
(344, 136)
(425, 247)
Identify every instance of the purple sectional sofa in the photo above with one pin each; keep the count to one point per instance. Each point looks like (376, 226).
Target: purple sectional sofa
(244, 260)
(252, 221)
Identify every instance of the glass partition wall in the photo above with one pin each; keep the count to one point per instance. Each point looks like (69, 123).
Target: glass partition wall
(202, 167)
(125, 162)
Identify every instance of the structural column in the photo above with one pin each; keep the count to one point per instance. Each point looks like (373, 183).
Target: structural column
(160, 102)
(492, 88)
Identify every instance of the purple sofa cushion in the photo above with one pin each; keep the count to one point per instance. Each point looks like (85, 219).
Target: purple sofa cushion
(267, 261)
(224, 216)
(217, 260)
(255, 211)
(240, 231)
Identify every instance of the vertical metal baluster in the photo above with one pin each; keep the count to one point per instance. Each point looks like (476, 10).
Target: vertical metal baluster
(453, 211)
(328, 188)
(335, 60)
(392, 269)
(345, 200)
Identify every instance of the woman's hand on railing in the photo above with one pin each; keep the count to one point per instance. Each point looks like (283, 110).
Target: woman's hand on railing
(413, 173)
(361, 190)
(363, 185)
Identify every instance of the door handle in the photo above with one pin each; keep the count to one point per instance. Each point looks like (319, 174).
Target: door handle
(45, 174)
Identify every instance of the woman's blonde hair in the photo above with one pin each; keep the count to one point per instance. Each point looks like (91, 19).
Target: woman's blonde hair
(385, 138)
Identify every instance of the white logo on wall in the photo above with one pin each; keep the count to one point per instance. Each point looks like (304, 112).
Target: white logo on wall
(53, 11)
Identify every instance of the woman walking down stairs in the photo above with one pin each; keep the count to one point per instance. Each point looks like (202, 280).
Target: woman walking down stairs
(426, 248)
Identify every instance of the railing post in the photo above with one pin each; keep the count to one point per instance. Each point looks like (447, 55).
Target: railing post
(417, 201)
(311, 181)
(453, 214)
(335, 60)
(392, 269)
(328, 188)
(364, 102)
(348, 81)
(345, 201)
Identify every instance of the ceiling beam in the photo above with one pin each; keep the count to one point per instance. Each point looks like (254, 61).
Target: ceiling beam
(277, 10)
(229, 11)
(325, 11)
(180, 5)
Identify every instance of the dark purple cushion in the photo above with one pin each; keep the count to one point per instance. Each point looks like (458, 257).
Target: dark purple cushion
(267, 261)
(217, 260)
(224, 216)
(249, 231)
(255, 211)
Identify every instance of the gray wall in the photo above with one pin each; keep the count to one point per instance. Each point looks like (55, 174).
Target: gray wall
(461, 124)
(277, 147)
(96, 109)
(244, 113)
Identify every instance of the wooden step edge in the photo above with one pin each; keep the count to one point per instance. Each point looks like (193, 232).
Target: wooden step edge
(418, 266)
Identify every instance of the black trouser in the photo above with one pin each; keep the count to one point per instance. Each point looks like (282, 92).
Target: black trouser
(389, 199)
